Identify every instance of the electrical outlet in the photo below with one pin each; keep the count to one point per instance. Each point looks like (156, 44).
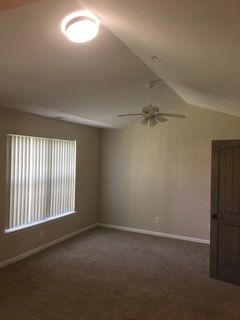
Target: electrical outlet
(42, 234)
(157, 220)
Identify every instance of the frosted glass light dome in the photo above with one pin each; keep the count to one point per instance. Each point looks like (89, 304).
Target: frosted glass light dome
(81, 26)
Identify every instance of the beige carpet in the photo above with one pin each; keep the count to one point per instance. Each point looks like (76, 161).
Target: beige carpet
(107, 274)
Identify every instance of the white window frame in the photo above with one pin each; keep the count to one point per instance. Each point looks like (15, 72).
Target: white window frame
(41, 179)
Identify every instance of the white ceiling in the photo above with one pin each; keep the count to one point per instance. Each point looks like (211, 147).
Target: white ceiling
(196, 43)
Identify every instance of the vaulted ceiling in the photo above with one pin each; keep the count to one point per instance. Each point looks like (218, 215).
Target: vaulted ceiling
(195, 45)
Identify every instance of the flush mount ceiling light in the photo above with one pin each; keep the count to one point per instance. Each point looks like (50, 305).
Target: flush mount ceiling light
(80, 26)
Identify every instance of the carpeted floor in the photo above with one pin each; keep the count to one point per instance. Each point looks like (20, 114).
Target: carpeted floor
(106, 274)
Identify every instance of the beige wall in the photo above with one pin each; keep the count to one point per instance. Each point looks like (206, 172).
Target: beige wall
(87, 138)
(164, 172)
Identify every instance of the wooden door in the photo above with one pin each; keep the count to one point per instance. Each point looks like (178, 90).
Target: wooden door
(225, 211)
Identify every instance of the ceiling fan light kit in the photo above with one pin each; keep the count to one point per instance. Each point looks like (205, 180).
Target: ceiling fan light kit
(80, 26)
(151, 115)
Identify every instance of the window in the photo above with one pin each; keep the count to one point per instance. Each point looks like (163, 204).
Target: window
(42, 176)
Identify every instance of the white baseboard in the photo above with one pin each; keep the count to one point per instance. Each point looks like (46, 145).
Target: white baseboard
(52, 243)
(153, 233)
(45, 246)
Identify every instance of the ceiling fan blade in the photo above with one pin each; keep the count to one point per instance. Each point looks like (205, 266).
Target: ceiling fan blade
(160, 118)
(130, 114)
(174, 115)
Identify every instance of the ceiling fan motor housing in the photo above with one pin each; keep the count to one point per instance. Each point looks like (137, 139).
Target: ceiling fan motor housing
(150, 111)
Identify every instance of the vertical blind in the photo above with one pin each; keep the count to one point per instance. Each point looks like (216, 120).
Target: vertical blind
(42, 179)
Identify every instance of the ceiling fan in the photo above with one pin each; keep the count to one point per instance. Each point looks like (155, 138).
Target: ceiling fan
(150, 114)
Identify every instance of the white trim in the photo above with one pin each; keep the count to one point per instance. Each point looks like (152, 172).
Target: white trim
(104, 225)
(45, 246)
(33, 224)
(153, 233)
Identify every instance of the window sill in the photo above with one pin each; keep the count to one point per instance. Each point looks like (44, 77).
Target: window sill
(29, 225)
